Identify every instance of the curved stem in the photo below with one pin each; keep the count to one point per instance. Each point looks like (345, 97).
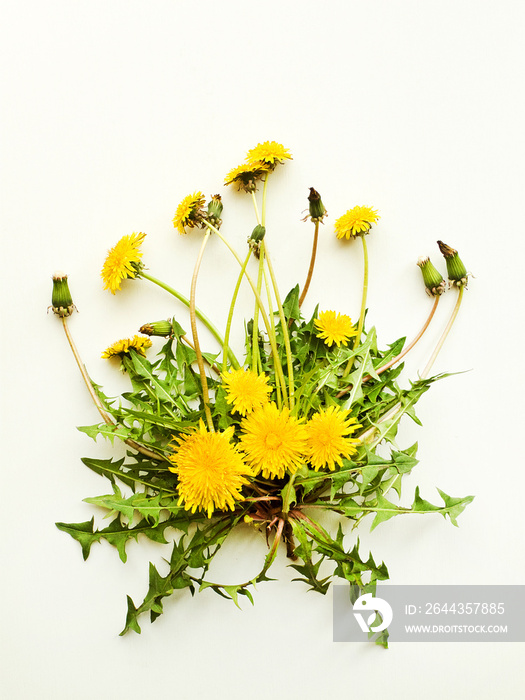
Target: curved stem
(438, 347)
(211, 365)
(365, 292)
(312, 265)
(397, 358)
(105, 416)
(193, 321)
(230, 314)
(391, 413)
(209, 325)
(409, 347)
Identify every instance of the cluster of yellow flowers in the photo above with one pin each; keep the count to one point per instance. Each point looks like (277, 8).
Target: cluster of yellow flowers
(211, 469)
(212, 466)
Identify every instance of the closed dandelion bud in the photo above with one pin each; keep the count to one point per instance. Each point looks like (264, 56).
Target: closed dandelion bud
(433, 279)
(317, 210)
(215, 208)
(61, 301)
(160, 328)
(456, 270)
(254, 241)
(258, 233)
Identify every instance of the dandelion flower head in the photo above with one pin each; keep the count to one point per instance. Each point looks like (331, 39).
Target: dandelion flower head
(334, 328)
(328, 438)
(190, 212)
(122, 261)
(269, 152)
(245, 390)
(273, 441)
(247, 175)
(356, 221)
(124, 347)
(210, 469)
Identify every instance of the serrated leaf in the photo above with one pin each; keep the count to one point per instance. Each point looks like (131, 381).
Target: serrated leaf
(150, 507)
(117, 534)
(144, 369)
(384, 510)
(131, 618)
(109, 432)
(82, 532)
(453, 506)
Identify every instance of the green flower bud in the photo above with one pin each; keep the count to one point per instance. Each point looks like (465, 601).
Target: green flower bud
(163, 329)
(215, 208)
(433, 279)
(61, 301)
(317, 210)
(254, 241)
(257, 233)
(457, 272)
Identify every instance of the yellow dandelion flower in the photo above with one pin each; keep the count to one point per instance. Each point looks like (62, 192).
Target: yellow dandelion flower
(211, 471)
(246, 390)
(356, 221)
(190, 212)
(269, 152)
(328, 438)
(273, 441)
(247, 175)
(124, 346)
(122, 261)
(334, 328)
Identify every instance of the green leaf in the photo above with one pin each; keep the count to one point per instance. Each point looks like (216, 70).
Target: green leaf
(117, 534)
(110, 432)
(308, 569)
(144, 369)
(288, 494)
(453, 506)
(150, 507)
(384, 510)
(109, 469)
(82, 532)
(131, 618)
(291, 304)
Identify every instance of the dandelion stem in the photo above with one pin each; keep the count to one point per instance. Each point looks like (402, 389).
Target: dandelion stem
(365, 292)
(279, 391)
(256, 208)
(396, 359)
(312, 265)
(284, 326)
(211, 365)
(265, 188)
(256, 360)
(398, 410)
(105, 416)
(441, 341)
(85, 375)
(205, 320)
(230, 314)
(273, 344)
(193, 321)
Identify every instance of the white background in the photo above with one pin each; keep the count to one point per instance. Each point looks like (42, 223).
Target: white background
(113, 112)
